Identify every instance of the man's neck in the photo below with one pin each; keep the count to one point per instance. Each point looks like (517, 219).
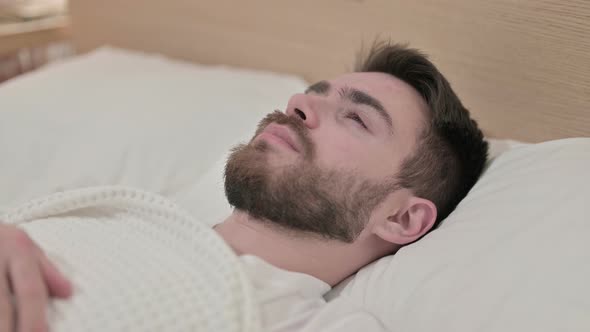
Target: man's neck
(327, 260)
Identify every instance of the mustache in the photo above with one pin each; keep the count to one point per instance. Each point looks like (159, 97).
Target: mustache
(293, 123)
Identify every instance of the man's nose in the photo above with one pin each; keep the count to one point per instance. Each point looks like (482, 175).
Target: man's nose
(302, 107)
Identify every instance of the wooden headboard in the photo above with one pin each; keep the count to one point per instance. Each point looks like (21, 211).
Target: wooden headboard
(521, 67)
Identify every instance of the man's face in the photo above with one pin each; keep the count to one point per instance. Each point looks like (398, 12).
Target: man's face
(321, 167)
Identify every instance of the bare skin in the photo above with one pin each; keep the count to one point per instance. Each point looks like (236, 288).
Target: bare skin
(29, 277)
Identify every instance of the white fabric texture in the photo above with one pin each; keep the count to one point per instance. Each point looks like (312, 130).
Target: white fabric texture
(287, 300)
(137, 262)
(514, 255)
(291, 301)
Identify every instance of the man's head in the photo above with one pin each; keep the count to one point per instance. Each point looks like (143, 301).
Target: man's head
(384, 153)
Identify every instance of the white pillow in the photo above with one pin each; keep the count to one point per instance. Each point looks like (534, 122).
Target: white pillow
(514, 255)
(120, 117)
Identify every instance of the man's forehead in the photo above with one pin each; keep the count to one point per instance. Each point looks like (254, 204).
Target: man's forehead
(372, 82)
(391, 91)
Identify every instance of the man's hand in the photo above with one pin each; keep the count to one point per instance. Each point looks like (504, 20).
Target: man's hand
(27, 280)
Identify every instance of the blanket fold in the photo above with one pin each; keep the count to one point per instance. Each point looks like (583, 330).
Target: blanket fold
(138, 263)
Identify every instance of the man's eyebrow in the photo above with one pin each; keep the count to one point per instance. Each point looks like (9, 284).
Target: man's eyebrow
(359, 97)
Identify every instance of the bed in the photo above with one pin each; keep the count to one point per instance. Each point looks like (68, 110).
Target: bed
(145, 105)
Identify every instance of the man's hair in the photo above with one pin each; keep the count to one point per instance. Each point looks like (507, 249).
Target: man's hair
(451, 151)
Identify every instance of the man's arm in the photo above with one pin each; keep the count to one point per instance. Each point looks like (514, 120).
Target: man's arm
(27, 280)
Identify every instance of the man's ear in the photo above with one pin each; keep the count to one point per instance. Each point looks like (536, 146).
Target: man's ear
(414, 218)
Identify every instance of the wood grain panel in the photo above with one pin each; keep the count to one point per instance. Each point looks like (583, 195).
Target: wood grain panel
(12, 41)
(522, 67)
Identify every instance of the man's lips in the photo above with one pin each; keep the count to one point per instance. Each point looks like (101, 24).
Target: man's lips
(280, 134)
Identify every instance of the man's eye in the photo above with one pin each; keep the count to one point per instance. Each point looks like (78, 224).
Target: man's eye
(355, 117)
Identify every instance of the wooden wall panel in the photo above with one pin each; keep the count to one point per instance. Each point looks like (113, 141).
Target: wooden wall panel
(522, 67)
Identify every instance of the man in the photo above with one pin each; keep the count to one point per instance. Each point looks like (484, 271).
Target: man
(355, 168)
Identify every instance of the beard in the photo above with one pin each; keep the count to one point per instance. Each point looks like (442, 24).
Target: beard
(301, 197)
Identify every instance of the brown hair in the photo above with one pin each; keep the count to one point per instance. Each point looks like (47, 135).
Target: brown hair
(451, 153)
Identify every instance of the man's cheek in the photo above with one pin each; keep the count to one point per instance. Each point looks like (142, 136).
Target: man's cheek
(336, 156)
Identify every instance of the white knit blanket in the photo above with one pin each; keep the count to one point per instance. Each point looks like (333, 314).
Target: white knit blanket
(138, 263)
